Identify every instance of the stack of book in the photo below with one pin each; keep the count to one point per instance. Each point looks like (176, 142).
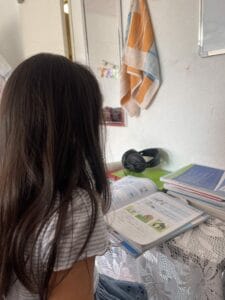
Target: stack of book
(202, 186)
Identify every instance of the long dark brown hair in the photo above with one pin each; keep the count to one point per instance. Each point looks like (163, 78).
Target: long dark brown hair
(50, 136)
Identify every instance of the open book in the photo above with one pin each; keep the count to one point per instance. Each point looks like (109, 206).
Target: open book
(141, 217)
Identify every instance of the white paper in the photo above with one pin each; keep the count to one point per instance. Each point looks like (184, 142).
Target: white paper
(130, 189)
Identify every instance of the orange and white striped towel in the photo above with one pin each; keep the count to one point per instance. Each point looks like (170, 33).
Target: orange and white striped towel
(140, 73)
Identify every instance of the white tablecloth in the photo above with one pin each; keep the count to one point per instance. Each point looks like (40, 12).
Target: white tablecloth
(190, 267)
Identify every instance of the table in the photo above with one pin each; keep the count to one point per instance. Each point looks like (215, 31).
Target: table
(189, 267)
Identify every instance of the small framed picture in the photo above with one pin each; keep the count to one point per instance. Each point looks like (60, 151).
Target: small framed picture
(114, 116)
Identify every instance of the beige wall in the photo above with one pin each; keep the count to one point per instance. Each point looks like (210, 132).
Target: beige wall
(41, 25)
(186, 118)
(30, 27)
(10, 32)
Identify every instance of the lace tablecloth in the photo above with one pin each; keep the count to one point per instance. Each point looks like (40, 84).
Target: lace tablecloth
(190, 267)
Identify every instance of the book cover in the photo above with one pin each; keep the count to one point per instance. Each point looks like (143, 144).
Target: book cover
(199, 178)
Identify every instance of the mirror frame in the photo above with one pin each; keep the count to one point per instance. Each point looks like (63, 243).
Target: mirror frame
(202, 51)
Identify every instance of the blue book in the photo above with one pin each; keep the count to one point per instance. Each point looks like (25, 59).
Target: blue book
(199, 179)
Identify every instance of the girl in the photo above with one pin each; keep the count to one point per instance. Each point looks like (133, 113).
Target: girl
(51, 178)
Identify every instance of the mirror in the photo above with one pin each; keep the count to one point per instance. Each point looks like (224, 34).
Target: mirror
(212, 27)
(103, 39)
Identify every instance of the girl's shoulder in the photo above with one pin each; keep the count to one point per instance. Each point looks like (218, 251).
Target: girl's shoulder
(75, 231)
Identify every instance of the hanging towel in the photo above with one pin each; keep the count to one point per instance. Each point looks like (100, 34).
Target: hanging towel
(140, 74)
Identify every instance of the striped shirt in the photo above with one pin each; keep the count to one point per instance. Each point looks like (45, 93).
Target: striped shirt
(72, 239)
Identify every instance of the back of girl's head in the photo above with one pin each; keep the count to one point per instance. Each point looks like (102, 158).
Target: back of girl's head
(51, 112)
(50, 117)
